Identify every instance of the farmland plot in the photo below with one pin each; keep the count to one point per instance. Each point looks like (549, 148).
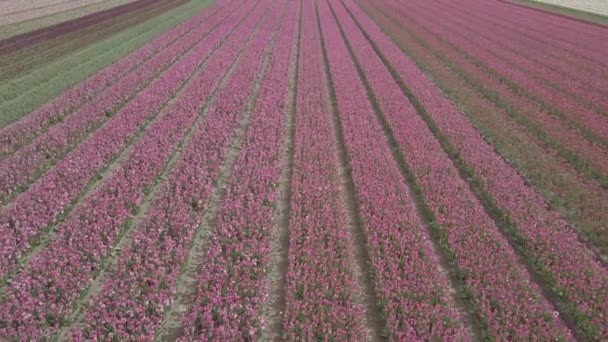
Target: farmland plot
(318, 170)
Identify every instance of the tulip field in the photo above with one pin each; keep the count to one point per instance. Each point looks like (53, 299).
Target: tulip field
(309, 170)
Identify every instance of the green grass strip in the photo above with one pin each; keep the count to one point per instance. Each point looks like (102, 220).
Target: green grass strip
(22, 95)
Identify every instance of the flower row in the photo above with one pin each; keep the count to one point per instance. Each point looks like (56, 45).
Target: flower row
(413, 289)
(23, 167)
(321, 291)
(139, 289)
(545, 53)
(231, 282)
(29, 214)
(509, 48)
(584, 41)
(22, 131)
(587, 159)
(570, 109)
(553, 242)
(510, 304)
(41, 296)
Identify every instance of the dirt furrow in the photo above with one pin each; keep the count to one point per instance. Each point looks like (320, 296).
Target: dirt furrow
(274, 307)
(171, 327)
(375, 323)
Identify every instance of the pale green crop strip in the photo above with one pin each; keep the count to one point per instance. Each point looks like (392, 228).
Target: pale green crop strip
(24, 94)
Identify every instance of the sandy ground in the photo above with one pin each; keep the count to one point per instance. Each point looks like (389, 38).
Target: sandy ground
(593, 6)
(14, 11)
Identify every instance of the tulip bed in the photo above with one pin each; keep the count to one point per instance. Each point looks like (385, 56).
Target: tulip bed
(54, 194)
(410, 285)
(287, 170)
(22, 167)
(523, 205)
(146, 273)
(53, 112)
(462, 222)
(111, 206)
(231, 283)
(562, 102)
(572, 140)
(320, 289)
(574, 146)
